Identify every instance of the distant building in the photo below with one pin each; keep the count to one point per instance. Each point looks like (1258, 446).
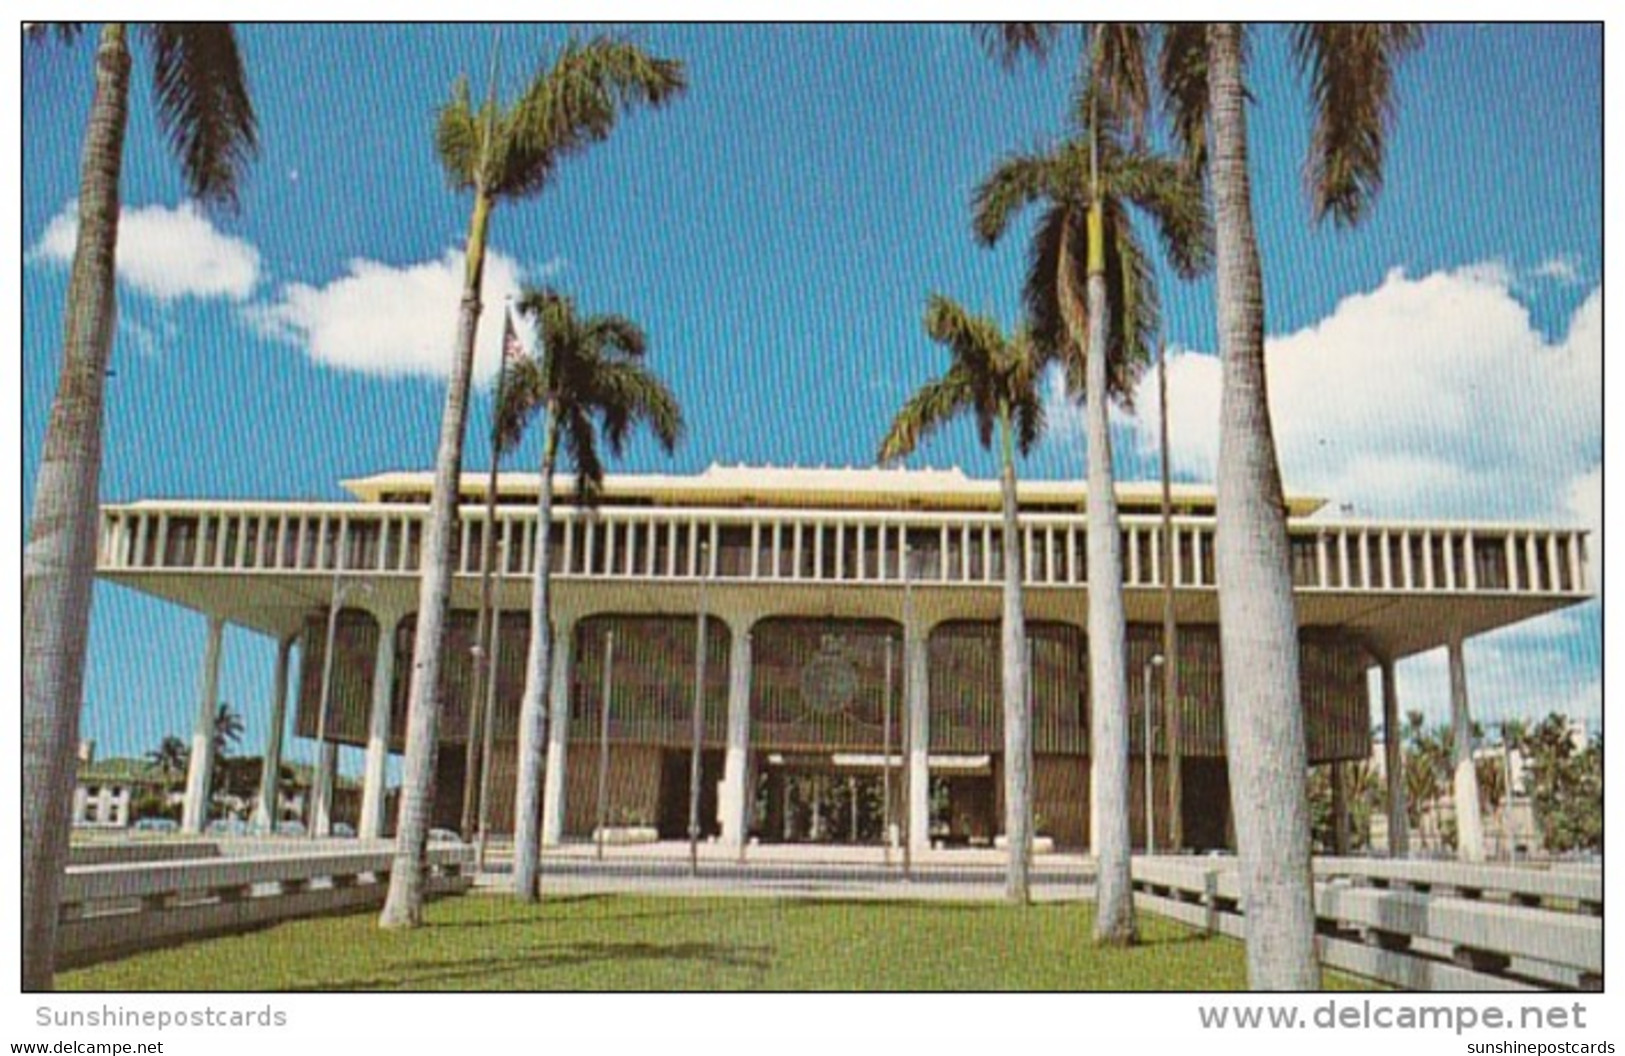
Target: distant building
(850, 639)
(105, 792)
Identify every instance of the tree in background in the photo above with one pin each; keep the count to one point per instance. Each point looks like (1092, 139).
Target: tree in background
(992, 379)
(588, 378)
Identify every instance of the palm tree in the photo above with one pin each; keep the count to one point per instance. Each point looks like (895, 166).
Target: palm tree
(1350, 69)
(1094, 306)
(171, 758)
(228, 730)
(993, 378)
(205, 113)
(589, 376)
(500, 154)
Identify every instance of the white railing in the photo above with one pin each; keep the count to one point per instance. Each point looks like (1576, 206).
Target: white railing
(845, 546)
(1417, 925)
(111, 910)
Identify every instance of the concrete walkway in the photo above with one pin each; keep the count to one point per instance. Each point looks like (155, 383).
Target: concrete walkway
(792, 871)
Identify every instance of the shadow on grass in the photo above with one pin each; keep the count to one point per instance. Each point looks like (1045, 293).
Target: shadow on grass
(757, 959)
(506, 912)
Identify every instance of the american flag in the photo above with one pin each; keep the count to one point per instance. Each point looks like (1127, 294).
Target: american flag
(513, 350)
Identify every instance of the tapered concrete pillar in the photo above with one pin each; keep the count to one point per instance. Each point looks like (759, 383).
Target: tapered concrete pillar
(1469, 827)
(373, 790)
(1399, 841)
(200, 768)
(558, 732)
(918, 691)
(266, 807)
(733, 800)
(321, 808)
(1340, 811)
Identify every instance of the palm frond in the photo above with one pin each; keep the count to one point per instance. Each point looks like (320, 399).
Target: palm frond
(581, 449)
(1117, 68)
(574, 103)
(934, 405)
(618, 333)
(523, 396)
(1010, 42)
(64, 32)
(1182, 69)
(457, 137)
(1173, 197)
(203, 106)
(973, 339)
(1351, 71)
(1024, 365)
(1019, 181)
(1054, 289)
(627, 394)
(1133, 322)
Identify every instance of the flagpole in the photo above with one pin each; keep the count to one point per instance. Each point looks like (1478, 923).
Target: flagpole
(476, 757)
(1170, 625)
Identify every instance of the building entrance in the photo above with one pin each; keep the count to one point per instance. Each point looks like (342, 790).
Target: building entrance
(825, 799)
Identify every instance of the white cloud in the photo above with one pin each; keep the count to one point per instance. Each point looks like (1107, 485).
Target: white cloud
(392, 321)
(1431, 396)
(164, 253)
(1436, 397)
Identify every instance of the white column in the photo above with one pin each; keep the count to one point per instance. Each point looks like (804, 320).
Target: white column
(199, 770)
(372, 775)
(733, 798)
(81, 805)
(266, 809)
(918, 691)
(1469, 827)
(558, 732)
(321, 808)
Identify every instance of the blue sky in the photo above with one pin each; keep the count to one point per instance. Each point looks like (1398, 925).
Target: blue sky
(777, 231)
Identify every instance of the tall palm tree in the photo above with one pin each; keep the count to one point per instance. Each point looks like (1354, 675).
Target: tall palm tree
(992, 378)
(205, 114)
(499, 154)
(228, 730)
(1094, 305)
(170, 758)
(1350, 69)
(588, 377)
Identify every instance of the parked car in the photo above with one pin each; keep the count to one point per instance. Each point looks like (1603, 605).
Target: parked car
(291, 828)
(157, 825)
(444, 836)
(227, 827)
(343, 828)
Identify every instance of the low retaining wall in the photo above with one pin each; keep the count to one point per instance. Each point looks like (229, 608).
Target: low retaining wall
(1416, 925)
(109, 911)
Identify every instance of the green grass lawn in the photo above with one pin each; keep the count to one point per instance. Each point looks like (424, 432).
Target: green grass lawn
(613, 942)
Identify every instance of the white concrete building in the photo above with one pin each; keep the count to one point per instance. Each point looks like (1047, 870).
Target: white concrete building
(850, 646)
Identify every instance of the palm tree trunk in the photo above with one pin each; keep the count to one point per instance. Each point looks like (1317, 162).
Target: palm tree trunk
(404, 906)
(1018, 800)
(527, 830)
(1258, 626)
(1108, 676)
(59, 563)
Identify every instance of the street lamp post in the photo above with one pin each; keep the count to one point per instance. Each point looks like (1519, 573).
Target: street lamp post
(694, 768)
(1150, 785)
(321, 812)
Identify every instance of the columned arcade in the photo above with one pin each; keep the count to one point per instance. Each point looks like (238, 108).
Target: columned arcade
(847, 683)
